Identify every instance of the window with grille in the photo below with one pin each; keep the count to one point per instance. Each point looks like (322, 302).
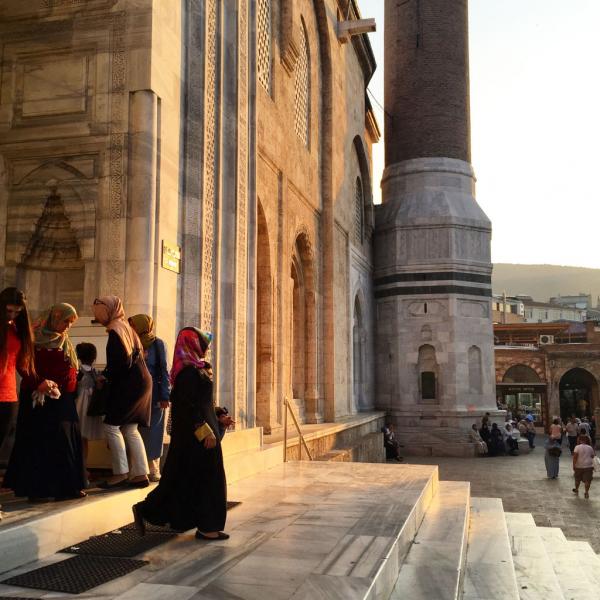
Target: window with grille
(359, 211)
(263, 51)
(302, 89)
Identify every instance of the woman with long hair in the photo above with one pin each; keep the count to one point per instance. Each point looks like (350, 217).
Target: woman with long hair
(155, 353)
(16, 354)
(192, 491)
(47, 460)
(129, 396)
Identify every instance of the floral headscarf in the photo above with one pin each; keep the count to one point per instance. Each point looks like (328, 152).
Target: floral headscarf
(190, 349)
(109, 311)
(46, 336)
(143, 325)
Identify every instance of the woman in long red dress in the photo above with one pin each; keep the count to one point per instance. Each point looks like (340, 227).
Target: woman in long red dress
(16, 354)
(47, 459)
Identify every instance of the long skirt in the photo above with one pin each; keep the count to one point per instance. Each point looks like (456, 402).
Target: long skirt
(192, 491)
(47, 459)
(552, 464)
(153, 436)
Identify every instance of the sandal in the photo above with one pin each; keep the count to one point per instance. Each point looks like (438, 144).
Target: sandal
(220, 536)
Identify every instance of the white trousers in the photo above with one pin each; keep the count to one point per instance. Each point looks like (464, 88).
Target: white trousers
(123, 439)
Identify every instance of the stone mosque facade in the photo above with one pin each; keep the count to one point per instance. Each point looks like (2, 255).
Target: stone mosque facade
(237, 132)
(209, 161)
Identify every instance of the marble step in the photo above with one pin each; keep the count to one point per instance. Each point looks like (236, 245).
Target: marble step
(570, 571)
(434, 565)
(490, 572)
(588, 559)
(303, 531)
(535, 574)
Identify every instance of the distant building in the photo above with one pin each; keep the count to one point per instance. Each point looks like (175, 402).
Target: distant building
(581, 300)
(549, 312)
(548, 368)
(507, 309)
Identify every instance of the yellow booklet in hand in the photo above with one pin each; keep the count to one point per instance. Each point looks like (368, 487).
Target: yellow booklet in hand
(203, 431)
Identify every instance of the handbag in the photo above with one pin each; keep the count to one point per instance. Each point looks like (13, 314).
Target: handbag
(554, 451)
(99, 401)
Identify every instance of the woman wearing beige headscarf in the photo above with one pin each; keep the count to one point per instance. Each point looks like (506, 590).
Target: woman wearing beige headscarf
(129, 395)
(155, 353)
(47, 460)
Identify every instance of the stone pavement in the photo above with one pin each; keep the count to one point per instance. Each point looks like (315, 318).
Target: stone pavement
(521, 483)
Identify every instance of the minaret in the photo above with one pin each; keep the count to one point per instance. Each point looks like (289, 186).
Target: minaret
(434, 350)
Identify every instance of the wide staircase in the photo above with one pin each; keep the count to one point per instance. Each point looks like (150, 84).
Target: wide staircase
(329, 530)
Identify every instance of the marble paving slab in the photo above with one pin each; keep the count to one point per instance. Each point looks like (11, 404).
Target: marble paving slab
(490, 573)
(434, 565)
(303, 530)
(571, 573)
(535, 574)
(588, 559)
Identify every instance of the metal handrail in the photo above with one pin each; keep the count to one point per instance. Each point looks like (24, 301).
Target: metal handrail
(288, 406)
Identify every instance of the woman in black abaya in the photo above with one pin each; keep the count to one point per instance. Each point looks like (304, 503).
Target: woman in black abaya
(192, 491)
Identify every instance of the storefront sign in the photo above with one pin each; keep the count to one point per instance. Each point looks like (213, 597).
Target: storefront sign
(171, 257)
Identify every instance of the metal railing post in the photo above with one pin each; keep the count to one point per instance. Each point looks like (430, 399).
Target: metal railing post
(285, 409)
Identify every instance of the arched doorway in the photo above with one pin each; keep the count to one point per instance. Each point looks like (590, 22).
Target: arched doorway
(266, 416)
(578, 391)
(522, 391)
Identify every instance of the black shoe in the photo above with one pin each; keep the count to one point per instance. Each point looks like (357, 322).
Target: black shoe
(106, 485)
(140, 524)
(38, 500)
(143, 483)
(220, 536)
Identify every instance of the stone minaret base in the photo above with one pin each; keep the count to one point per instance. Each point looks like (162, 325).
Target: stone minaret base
(433, 291)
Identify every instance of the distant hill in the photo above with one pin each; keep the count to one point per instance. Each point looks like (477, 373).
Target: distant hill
(543, 281)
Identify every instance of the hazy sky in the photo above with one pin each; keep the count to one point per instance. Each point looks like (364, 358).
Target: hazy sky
(535, 103)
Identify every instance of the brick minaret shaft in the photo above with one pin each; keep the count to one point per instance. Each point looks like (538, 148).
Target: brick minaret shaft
(427, 80)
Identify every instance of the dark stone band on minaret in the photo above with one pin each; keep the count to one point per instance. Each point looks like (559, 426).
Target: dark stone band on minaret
(422, 290)
(434, 276)
(427, 96)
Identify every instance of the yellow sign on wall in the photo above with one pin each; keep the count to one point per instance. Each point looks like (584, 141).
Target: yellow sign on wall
(171, 257)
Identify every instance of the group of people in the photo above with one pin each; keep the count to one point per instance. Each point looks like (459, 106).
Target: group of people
(63, 403)
(492, 440)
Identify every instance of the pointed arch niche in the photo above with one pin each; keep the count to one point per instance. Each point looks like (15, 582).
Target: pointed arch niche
(358, 357)
(303, 331)
(265, 410)
(50, 244)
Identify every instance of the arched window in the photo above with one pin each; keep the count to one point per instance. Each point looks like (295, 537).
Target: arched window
(475, 376)
(359, 211)
(302, 89)
(428, 374)
(263, 50)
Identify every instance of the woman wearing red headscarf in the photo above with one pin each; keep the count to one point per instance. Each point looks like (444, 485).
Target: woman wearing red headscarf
(192, 491)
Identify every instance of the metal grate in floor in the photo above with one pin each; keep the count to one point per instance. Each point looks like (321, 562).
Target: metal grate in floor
(77, 574)
(124, 542)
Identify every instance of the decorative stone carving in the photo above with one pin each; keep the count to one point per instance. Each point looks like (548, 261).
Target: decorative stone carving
(53, 244)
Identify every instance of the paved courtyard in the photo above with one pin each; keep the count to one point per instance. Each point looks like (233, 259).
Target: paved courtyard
(522, 484)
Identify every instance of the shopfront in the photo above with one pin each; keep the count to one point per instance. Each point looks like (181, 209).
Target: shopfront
(522, 391)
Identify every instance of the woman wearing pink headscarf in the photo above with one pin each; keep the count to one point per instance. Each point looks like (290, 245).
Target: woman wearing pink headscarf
(192, 491)
(129, 396)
